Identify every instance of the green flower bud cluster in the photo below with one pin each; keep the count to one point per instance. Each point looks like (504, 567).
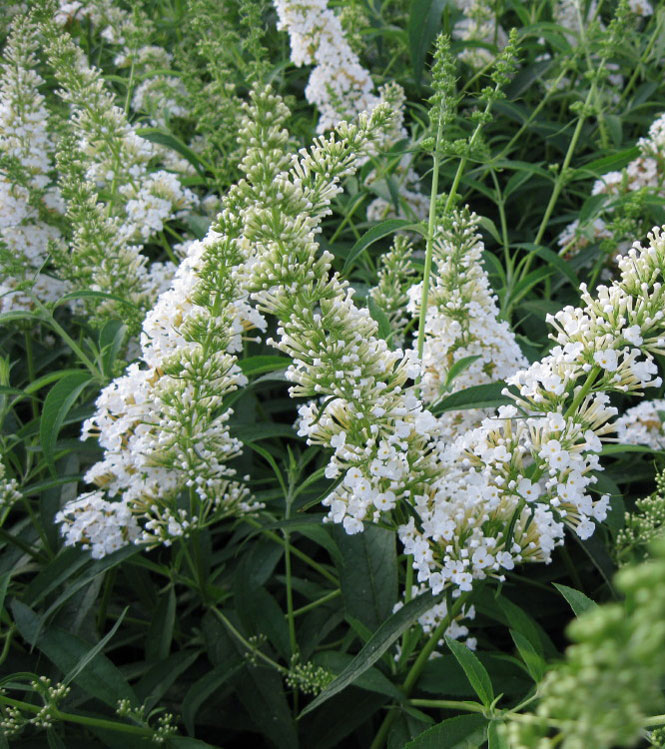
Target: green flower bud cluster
(610, 682)
(646, 523)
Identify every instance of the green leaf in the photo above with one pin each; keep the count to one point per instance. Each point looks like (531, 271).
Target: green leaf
(526, 77)
(372, 680)
(162, 675)
(377, 645)
(47, 379)
(368, 574)
(460, 366)
(261, 614)
(198, 225)
(54, 741)
(94, 295)
(254, 365)
(61, 397)
(490, 228)
(479, 396)
(200, 690)
(4, 584)
(373, 235)
(260, 690)
(247, 433)
(475, 672)
(423, 26)
(100, 678)
(535, 663)
(95, 568)
(9, 317)
(67, 563)
(445, 676)
(380, 317)
(111, 338)
(597, 553)
(611, 163)
(618, 449)
(95, 651)
(494, 739)
(160, 631)
(577, 600)
(187, 742)
(155, 135)
(462, 732)
(520, 621)
(591, 207)
(553, 259)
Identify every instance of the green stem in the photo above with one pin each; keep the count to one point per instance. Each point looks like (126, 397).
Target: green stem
(584, 391)
(248, 645)
(429, 249)
(471, 707)
(319, 602)
(655, 720)
(167, 248)
(8, 641)
(417, 667)
(289, 595)
(563, 174)
(31, 371)
(645, 55)
(296, 552)
(83, 720)
(408, 585)
(590, 67)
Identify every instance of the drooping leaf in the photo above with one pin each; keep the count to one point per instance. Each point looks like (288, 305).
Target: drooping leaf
(478, 396)
(155, 135)
(261, 692)
(534, 662)
(100, 678)
(390, 226)
(475, 671)
(578, 601)
(160, 631)
(462, 732)
(58, 402)
(377, 645)
(423, 26)
(368, 574)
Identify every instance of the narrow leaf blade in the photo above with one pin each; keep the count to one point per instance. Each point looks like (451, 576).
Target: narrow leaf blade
(376, 646)
(475, 672)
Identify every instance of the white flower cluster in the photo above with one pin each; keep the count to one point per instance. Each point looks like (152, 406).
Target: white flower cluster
(28, 200)
(395, 277)
(508, 488)
(462, 326)
(480, 27)
(116, 157)
(162, 425)
(339, 86)
(9, 489)
(341, 89)
(565, 11)
(378, 431)
(643, 424)
(115, 24)
(98, 525)
(641, 7)
(159, 95)
(431, 619)
(646, 171)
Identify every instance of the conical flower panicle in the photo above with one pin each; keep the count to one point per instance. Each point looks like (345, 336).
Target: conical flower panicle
(30, 205)
(162, 425)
